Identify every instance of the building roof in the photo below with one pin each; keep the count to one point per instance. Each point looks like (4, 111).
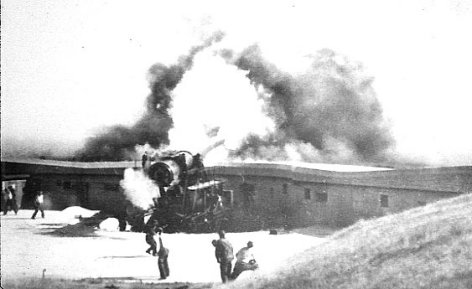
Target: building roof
(69, 164)
(316, 166)
(11, 166)
(443, 179)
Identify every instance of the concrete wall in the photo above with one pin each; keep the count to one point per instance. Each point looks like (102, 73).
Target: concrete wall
(320, 202)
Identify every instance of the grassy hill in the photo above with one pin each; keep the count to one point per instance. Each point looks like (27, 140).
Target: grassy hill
(426, 247)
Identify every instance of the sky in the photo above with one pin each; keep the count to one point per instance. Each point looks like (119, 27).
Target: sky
(69, 68)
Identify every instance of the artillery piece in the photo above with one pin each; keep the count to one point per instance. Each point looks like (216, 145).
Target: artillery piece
(190, 200)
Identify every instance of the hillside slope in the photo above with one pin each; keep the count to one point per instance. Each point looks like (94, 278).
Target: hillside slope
(426, 247)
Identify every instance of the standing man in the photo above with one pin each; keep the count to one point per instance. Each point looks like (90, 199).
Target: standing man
(146, 161)
(150, 233)
(10, 200)
(224, 256)
(162, 254)
(244, 261)
(38, 205)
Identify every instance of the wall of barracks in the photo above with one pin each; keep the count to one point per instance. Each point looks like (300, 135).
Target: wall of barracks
(278, 193)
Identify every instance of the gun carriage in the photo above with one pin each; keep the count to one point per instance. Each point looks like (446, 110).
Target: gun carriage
(190, 201)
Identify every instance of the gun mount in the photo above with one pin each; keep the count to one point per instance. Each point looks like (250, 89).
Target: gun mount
(190, 200)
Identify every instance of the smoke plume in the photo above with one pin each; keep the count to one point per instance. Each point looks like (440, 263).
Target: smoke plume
(139, 189)
(215, 95)
(118, 142)
(330, 112)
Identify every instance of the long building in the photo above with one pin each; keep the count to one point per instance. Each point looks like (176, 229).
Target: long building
(341, 195)
(270, 193)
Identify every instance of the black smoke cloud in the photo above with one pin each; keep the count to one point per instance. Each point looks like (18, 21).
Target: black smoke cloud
(118, 142)
(328, 112)
(331, 103)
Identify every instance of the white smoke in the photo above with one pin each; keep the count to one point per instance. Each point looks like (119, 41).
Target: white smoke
(213, 102)
(139, 189)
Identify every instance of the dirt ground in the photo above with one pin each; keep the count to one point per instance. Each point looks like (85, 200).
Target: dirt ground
(29, 250)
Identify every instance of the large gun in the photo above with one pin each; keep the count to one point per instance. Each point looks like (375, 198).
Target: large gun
(189, 200)
(177, 168)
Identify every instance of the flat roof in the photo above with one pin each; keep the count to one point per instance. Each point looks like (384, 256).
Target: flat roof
(315, 166)
(128, 164)
(70, 164)
(329, 167)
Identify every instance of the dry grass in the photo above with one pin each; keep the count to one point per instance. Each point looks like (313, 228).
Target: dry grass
(426, 247)
(46, 283)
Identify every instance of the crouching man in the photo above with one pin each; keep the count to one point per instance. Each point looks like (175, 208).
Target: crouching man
(244, 261)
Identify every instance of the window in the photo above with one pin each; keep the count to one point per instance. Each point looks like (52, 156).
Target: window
(67, 185)
(248, 193)
(111, 187)
(322, 197)
(307, 194)
(271, 191)
(421, 203)
(384, 201)
(285, 189)
(228, 198)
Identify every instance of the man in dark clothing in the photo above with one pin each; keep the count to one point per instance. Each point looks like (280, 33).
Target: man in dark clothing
(162, 258)
(150, 233)
(146, 161)
(10, 198)
(224, 256)
(121, 216)
(38, 205)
